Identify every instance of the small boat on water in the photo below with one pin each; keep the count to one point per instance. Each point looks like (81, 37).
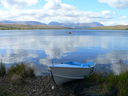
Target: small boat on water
(69, 71)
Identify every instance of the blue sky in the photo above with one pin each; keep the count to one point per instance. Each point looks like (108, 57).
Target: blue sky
(107, 12)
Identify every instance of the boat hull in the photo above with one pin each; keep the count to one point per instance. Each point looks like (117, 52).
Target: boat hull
(62, 75)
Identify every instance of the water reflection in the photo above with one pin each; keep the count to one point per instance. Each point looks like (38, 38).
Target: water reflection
(44, 49)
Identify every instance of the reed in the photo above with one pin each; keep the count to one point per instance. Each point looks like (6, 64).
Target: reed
(2, 69)
(110, 80)
(21, 69)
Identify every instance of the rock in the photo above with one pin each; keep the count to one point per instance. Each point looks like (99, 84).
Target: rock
(79, 90)
(69, 32)
(16, 79)
(53, 87)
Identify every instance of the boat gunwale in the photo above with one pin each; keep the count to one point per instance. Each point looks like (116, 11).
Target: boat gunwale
(73, 67)
(78, 67)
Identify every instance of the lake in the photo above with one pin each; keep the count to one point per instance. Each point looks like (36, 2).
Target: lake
(42, 47)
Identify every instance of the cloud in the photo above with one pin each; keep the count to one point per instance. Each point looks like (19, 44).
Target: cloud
(113, 58)
(56, 48)
(17, 55)
(17, 4)
(123, 17)
(55, 10)
(53, 4)
(116, 3)
(59, 15)
(53, 47)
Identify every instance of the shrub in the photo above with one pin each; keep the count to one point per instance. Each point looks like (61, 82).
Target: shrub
(95, 77)
(120, 81)
(21, 69)
(2, 69)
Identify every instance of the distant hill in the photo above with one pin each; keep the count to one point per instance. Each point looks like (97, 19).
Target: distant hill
(26, 27)
(51, 24)
(77, 25)
(20, 25)
(31, 23)
(116, 27)
(21, 22)
(55, 23)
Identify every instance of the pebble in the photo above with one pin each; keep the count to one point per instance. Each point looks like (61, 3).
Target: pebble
(53, 87)
(44, 86)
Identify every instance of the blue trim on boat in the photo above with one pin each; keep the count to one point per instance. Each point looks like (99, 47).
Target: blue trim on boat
(74, 64)
(89, 64)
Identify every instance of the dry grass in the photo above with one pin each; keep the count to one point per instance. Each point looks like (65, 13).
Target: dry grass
(117, 27)
(26, 27)
(21, 69)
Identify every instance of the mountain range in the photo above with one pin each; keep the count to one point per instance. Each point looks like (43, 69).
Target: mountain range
(77, 25)
(67, 25)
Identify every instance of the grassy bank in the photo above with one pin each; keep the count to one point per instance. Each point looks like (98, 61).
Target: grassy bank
(14, 76)
(110, 81)
(20, 69)
(117, 27)
(28, 27)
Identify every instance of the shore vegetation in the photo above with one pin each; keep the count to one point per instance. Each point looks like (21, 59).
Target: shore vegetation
(21, 76)
(28, 27)
(116, 27)
(21, 69)
(2, 69)
(108, 81)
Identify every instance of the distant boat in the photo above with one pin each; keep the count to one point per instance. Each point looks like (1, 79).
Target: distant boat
(69, 71)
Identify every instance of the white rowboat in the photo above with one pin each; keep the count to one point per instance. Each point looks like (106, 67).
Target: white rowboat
(69, 71)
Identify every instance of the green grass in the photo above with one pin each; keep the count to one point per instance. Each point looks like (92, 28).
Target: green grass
(116, 27)
(18, 68)
(110, 81)
(96, 77)
(21, 69)
(2, 69)
(120, 81)
(3, 90)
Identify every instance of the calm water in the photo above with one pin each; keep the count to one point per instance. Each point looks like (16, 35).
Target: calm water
(41, 47)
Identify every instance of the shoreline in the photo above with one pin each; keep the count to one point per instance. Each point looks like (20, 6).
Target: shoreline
(45, 86)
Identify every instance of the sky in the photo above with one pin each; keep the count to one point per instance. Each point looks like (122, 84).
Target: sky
(107, 12)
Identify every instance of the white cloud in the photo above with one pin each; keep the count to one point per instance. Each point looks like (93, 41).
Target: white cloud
(17, 4)
(54, 10)
(53, 4)
(123, 17)
(116, 3)
(60, 15)
(106, 12)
